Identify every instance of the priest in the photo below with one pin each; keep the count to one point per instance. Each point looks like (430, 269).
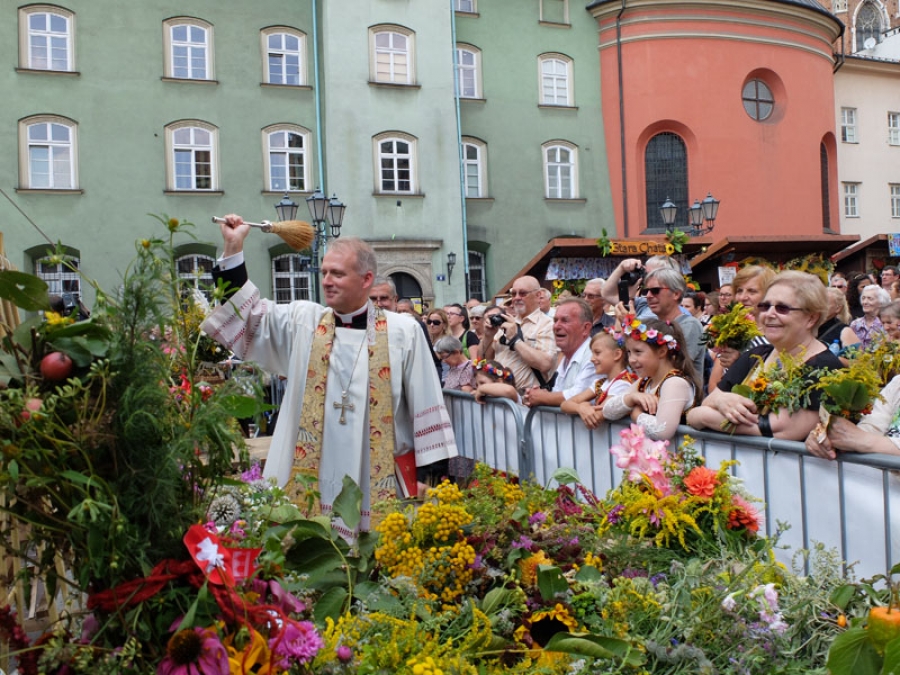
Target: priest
(361, 387)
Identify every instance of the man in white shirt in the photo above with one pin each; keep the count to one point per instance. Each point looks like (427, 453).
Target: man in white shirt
(575, 372)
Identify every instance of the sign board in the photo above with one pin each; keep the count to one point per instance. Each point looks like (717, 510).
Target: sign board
(726, 275)
(639, 247)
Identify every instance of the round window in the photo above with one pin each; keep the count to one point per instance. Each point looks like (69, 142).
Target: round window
(758, 100)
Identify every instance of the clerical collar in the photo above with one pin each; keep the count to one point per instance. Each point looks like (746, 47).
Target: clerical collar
(358, 319)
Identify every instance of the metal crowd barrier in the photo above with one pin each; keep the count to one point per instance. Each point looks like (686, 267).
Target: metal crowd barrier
(851, 505)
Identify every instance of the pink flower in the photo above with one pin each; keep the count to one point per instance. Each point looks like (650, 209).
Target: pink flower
(298, 643)
(641, 456)
(194, 651)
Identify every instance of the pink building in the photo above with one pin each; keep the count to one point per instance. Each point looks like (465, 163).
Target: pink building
(730, 98)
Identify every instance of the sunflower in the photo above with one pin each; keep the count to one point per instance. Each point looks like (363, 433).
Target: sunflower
(545, 623)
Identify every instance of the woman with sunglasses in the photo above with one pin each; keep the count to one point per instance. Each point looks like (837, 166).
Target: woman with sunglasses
(794, 306)
(458, 322)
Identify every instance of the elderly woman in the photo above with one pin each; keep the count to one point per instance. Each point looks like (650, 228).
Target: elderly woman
(879, 431)
(835, 332)
(460, 375)
(868, 327)
(792, 310)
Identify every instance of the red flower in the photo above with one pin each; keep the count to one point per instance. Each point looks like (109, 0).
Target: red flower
(701, 482)
(743, 516)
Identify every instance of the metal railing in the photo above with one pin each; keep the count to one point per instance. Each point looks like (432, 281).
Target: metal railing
(851, 505)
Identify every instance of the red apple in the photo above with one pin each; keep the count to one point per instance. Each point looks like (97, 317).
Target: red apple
(56, 366)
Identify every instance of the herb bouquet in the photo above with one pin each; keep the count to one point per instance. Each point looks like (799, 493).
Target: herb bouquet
(734, 329)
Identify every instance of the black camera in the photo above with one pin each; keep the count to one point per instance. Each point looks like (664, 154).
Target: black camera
(496, 320)
(626, 281)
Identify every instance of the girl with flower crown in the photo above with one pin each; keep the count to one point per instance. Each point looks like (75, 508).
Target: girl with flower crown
(667, 385)
(611, 362)
(492, 379)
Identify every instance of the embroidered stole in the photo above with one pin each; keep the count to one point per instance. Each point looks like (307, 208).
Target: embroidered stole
(308, 452)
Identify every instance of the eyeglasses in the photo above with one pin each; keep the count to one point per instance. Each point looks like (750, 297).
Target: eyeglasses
(591, 296)
(453, 314)
(652, 291)
(434, 322)
(521, 294)
(476, 318)
(779, 308)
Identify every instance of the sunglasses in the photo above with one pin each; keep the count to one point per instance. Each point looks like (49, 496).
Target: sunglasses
(779, 308)
(652, 291)
(434, 322)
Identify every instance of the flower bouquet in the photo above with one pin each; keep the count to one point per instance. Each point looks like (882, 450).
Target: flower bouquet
(735, 329)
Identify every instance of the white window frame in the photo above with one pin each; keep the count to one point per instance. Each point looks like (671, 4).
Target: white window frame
(298, 275)
(465, 6)
(59, 277)
(270, 151)
(169, 45)
(194, 145)
(851, 200)
(555, 170)
(199, 275)
(893, 128)
(285, 54)
(391, 161)
(839, 6)
(474, 167)
(556, 87)
(56, 151)
(551, 19)
(27, 38)
(895, 200)
(848, 126)
(387, 62)
(468, 71)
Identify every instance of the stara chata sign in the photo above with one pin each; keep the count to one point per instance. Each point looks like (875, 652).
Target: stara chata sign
(639, 247)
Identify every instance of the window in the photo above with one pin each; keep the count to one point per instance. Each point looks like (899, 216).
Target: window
(46, 38)
(196, 271)
(477, 282)
(474, 158)
(191, 157)
(464, 6)
(284, 51)
(666, 177)
(851, 200)
(468, 71)
(825, 179)
(894, 128)
(870, 27)
(895, 200)
(396, 164)
(554, 11)
(285, 148)
(188, 45)
(848, 125)
(61, 278)
(556, 78)
(48, 150)
(393, 55)
(839, 6)
(758, 100)
(560, 170)
(291, 277)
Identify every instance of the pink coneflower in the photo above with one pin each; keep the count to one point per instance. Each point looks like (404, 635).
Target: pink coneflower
(194, 651)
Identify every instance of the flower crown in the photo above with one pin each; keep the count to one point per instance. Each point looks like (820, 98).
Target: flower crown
(636, 330)
(618, 336)
(500, 373)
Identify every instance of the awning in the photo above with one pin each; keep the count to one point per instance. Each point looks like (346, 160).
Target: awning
(776, 248)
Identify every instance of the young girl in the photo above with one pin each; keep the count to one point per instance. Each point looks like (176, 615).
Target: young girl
(610, 360)
(492, 379)
(667, 385)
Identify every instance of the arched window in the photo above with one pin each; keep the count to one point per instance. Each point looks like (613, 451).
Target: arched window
(475, 166)
(49, 153)
(392, 56)
(395, 160)
(468, 71)
(477, 277)
(284, 55)
(665, 177)
(62, 278)
(291, 277)
(46, 38)
(826, 195)
(556, 80)
(191, 161)
(196, 271)
(869, 26)
(188, 49)
(560, 170)
(286, 149)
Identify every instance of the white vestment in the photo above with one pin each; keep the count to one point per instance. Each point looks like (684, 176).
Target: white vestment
(279, 338)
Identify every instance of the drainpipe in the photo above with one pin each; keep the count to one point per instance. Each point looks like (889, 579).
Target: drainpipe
(318, 97)
(621, 120)
(462, 169)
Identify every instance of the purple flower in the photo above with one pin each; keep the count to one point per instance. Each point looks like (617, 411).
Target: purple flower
(194, 651)
(344, 654)
(298, 642)
(523, 542)
(537, 518)
(254, 473)
(615, 513)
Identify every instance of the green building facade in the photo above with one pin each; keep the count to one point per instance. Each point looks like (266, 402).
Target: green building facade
(117, 110)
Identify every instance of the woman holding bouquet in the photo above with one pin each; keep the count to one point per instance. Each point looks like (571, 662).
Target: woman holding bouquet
(794, 306)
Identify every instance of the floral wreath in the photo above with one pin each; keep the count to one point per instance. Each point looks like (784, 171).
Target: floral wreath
(500, 373)
(636, 330)
(618, 336)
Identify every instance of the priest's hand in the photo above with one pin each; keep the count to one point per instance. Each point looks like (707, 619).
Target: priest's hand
(234, 231)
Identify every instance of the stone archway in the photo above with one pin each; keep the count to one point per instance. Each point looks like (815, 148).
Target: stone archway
(412, 257)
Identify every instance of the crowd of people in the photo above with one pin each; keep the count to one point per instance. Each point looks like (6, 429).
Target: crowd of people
(635, 345)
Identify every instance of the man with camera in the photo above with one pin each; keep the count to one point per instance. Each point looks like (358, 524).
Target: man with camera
(625, 282)
(524, 343)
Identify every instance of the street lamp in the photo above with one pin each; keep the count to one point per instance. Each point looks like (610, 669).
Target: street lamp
(703, 215)
(451, 263)
(324, 212)
(667, 211)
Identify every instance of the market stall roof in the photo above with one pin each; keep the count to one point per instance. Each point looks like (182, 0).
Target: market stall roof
(775, 246)
(576, 247)
(857, 247)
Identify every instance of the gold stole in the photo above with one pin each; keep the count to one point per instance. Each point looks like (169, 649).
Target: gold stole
(308, 451)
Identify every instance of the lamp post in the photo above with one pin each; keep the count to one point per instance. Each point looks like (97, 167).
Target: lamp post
(451, 263)
(703, 215)
(667, 211)
(324, 213)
